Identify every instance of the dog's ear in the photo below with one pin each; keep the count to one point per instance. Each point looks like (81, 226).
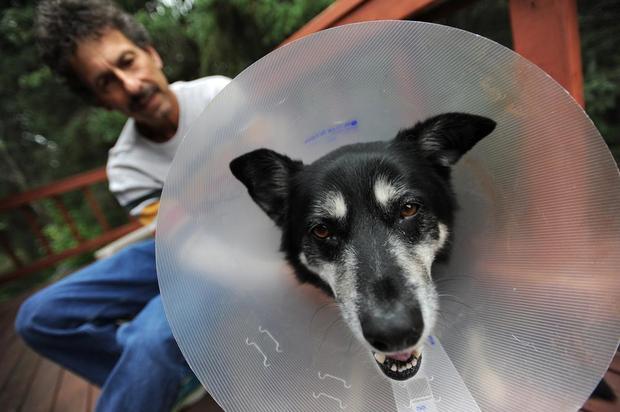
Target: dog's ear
(443, 139)
(266, 175)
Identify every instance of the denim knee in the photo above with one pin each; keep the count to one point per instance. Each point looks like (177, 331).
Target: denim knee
(153, 344)
(33, 315)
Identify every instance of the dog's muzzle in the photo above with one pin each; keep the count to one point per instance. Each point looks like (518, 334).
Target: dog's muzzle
(392, 333)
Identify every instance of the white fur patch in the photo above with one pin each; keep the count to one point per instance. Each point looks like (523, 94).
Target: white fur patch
(386, 191)
(346, 290)
(326, 271)
(410, 260)
(342, 278)
(332, 204)
(427, 250)
(303, 259)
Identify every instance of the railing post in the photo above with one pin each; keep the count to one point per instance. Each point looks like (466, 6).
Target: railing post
(546, 32)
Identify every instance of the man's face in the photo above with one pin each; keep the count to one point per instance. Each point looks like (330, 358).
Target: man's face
(125, 77)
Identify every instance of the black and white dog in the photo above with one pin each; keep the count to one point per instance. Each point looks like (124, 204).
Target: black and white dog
(365, 223)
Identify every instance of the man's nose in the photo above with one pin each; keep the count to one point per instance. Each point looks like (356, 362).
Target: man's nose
(130, 83)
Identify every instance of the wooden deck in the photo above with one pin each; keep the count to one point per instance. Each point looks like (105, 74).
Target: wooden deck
(30, 383)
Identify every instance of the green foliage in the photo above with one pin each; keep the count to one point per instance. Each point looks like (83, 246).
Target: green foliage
(223, 36)
(600, 35)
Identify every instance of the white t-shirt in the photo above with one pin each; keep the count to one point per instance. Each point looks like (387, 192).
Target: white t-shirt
(137, 167)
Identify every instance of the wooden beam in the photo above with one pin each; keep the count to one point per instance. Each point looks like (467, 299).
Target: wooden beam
(353, 11)
(62, 186)
(388, 10)
(546, 32)
(327, 18)
(87, 246)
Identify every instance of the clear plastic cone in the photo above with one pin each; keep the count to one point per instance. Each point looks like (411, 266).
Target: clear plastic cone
(530, 302)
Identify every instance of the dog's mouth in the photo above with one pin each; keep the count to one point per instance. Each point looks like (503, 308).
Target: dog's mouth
(399, 366)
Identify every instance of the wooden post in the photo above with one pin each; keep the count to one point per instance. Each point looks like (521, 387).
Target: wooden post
(95, 208)
(66, 216)
(8, 249)
(35, 228)
(546, 32)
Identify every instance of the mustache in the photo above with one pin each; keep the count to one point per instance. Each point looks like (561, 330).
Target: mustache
(139, 99)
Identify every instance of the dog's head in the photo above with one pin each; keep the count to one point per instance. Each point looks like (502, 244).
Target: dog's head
(366, 222)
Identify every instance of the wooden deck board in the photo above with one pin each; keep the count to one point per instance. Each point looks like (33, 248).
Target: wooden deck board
(72, 394)
(9, 359)
(94, 395)
(17, 386)
(206, 404)
(42, 394)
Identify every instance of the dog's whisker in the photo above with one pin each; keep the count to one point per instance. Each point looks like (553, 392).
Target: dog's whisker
(316, 313)
(453, 314)
(455, 299)
(350, 343)
(442, 279)
(449, 325)
(326, 332)
(327, 305)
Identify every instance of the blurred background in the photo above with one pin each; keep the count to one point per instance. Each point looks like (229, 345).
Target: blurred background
(47, 134)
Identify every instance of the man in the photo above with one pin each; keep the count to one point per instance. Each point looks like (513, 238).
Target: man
(106, 322)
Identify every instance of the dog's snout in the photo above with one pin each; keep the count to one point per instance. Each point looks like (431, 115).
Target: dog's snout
(392, 330)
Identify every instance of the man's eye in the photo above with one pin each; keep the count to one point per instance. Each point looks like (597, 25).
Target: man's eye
(409, 209)
(321, 232)
(127, 62)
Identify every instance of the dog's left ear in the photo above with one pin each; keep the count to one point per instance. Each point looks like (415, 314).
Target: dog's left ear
(266, 175)
(443, 139)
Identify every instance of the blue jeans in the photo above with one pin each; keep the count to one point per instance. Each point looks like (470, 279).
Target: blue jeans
(106, 323)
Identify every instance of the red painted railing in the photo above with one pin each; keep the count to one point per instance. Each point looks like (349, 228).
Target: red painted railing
(23, 203)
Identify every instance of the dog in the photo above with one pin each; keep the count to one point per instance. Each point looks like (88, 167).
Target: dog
(366, 222)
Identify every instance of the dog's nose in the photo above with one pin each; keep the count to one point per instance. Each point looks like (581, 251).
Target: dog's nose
(392, 330)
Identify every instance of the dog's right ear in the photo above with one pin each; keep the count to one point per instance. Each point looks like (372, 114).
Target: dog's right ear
(443, 139)
(266, 175)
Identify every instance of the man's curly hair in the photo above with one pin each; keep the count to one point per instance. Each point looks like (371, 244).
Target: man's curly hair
(61, 24)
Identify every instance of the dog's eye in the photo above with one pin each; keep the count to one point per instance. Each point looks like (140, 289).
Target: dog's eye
(408, 210)
(321, 232)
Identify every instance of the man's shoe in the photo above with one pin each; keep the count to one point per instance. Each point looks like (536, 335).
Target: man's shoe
(190, 392)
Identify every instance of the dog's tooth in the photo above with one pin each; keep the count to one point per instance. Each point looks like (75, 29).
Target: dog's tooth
(414, 362)
(409, 365)
(394, 369)
(380, 357)
(402, 368)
